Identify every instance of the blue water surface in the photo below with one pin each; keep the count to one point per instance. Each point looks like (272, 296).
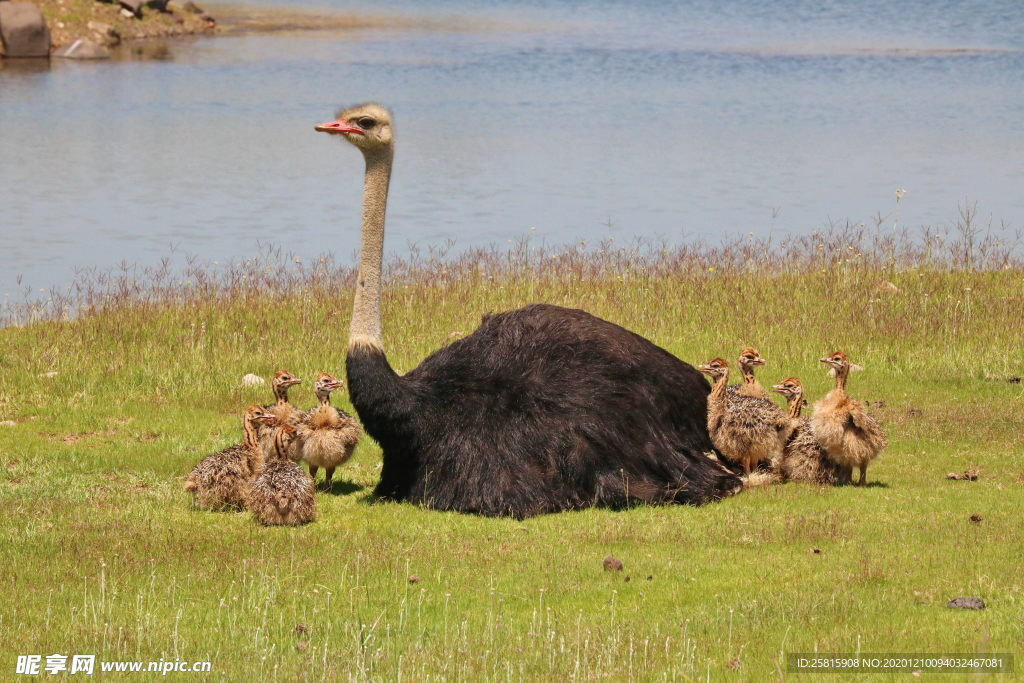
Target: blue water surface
(586, 120)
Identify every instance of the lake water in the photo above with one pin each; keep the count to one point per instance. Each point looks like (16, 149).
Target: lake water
(582, 119)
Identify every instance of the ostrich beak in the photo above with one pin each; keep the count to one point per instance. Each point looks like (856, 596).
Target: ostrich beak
(825, 360)
(760, 361)
(338, 126)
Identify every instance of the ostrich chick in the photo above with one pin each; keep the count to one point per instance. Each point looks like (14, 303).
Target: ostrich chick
(327, 435)
(283, 494)
(222, 480)
(743, 429)
(749, 359)
(283, 411)
(850, 436)
(803, 459)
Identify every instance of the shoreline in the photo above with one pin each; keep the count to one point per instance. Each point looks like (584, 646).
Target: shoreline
(113, 23)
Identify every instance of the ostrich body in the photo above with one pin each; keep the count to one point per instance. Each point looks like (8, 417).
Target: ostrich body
(327, 436)
(283, 411)
(540, 409)
(749, 359)
(745, 430)
(804, 459)
(283, 494)
(222, 480)
(850, 436)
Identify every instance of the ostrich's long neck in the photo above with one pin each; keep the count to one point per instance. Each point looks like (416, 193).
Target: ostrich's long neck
(384, 404)
(841, 375)
(366, 328)
(794, 404)
(249, 434)
(748, 377)
(281, 394)
(325, 398)
(718, 390)
(279, 444)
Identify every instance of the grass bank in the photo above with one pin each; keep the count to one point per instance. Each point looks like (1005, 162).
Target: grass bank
(119, 383)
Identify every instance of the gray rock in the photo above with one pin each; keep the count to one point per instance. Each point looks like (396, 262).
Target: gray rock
(23, 30)
(82, 48)
(159, 5)
(251, 380)
(192, 7)
(133, 6)
(966, 603)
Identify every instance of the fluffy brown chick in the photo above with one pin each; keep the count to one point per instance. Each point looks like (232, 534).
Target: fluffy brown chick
(803, 457)
(327, 435)
(850, 436)
(283, 493)
(283, 411)
(222, 480)
(749, 359)
(745, 430)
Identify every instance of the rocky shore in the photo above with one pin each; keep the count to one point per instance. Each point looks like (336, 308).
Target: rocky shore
(86, 29)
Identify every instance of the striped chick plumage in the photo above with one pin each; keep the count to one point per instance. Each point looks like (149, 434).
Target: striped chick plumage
(283, 494)
(221, 481)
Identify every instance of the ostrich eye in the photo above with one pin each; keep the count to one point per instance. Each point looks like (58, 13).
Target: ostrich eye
(366, 123)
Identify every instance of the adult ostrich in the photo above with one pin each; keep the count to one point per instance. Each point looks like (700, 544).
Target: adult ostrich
(540, 409)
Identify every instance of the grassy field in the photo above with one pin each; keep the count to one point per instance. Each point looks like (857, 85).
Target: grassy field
(121, 382)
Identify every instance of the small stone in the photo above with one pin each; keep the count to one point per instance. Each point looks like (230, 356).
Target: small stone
(105, 31)
(252, 380)
(975, 518)
(414, 579)
(302, 646)
(627, 578)
(817, 551)
(650, 577)
(82, 49)
(47, 375)
(966, 603)
(300, 629)
(127, 13)
(612, 565)
(23, 30)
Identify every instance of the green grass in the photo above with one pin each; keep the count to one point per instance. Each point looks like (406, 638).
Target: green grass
(102, 554)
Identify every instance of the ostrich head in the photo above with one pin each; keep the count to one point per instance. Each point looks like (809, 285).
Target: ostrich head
(367, 126)
(789, 388)
(750, 358)
(716, 369)
(256, 414)
(325, 384)
(839, 362)
(284, 379)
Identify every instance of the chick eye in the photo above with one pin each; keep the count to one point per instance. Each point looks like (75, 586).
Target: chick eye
(366, 123)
